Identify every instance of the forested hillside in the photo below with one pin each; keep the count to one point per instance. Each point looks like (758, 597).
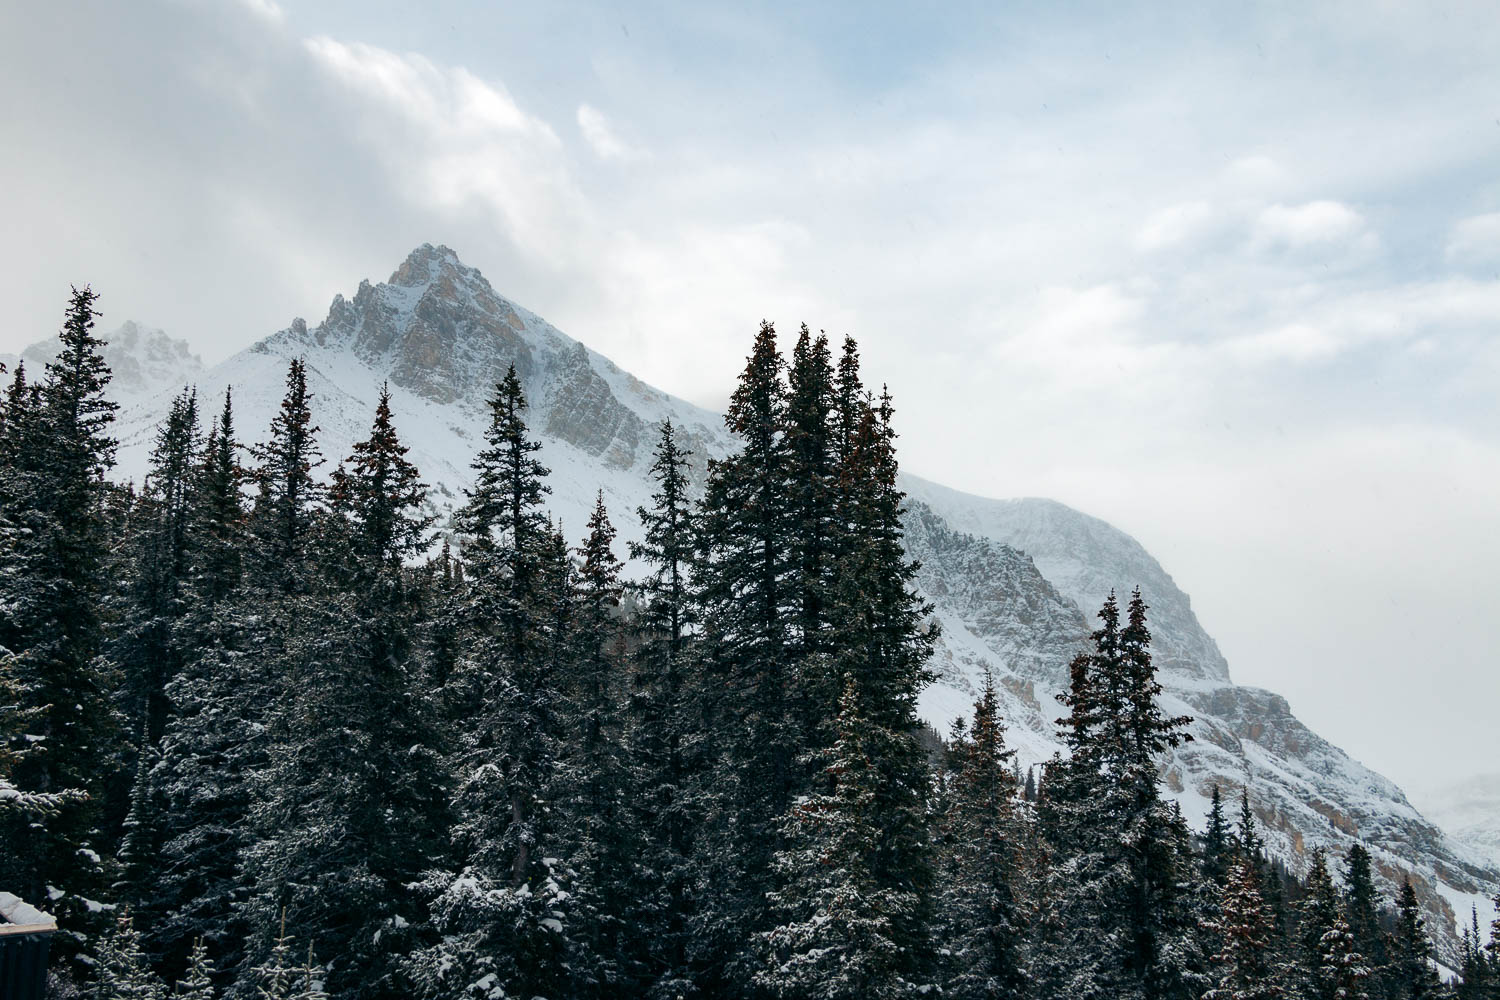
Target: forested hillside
(267, 733)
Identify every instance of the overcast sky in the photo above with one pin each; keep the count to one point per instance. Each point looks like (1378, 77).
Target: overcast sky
(1227, 276)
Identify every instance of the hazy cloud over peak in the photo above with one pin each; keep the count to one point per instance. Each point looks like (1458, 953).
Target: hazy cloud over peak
(1230, 280)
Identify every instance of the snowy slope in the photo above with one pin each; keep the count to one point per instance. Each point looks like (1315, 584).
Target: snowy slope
(144, 361)
(1010, 580)
(1469, 811)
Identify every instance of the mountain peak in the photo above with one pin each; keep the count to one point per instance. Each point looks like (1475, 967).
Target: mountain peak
(143, 360)
(427, 264)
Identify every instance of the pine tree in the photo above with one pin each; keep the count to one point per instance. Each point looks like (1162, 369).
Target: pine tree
(149, 652)
(1216, 842)
(981, 913)
(834, 926)
(1331, 966)
(744, 591)
(1360, 910)
(1410, 974)
(54, 543)
(662, 743)
(1120, 926)
(214, 737)
(122, 972)
(502, 919)
(886, 638)
(351, 808)
(603, 840)
(1243, 965)
(811, 478)
(1247, 842)
(288, 502)
(198, 982)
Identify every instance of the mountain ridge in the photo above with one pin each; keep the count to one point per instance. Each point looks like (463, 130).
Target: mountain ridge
(1014, 582)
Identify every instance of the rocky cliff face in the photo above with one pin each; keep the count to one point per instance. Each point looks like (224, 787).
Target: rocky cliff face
(1014, 583)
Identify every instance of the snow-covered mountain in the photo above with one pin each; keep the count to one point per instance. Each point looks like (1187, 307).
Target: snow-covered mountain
(1010, 580)
(1470, 811)
(144, 361)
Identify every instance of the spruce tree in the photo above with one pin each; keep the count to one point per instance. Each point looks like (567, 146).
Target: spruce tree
(121, 969)
(1120, 925)
(603, 841)
(982, 918)
(1331, 967)
(1216, 842)
(834, 932)
(1360, 910)
(662, 738)
(1243, 967)
(213, 738)
(886, 638)
(1409, 974)
(197, 983)
(148, 652)
(54, 543)
(745, 596)
(351, 808)
(502, 917)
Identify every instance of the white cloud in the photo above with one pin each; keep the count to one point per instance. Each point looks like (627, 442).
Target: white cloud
(1475, 241)
(1175, 225)
(1296, 342)
(601, 137)
(267, 9)
(1313, 224)
(456, 139)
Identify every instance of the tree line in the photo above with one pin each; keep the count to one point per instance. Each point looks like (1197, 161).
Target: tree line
(266, 732)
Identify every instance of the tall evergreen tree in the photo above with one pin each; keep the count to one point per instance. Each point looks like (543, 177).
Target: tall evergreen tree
(503, 918)
(1409, 973)
(149, 651)
(1119, 927)
(1360, 911)
(982, 917)
(54, 540)
(746, 601)
(834, 934)
(1243, 967)
(1331, 966)
(350, 809)
(1216, 842)
(886, 638)
(214, 737)
(662, 739)
(603, 839)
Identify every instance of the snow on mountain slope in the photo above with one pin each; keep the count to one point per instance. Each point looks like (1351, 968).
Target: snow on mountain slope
(1014, 583)
(1469, 811)
(144, 361)
(1305, 791)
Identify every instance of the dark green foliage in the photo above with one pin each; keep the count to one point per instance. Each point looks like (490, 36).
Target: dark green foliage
(1216, 842)
(350, 807)
(1330, 966)
(981, 917)
(1409, 973)
(55, 525)
(835, 928)
(502, 916)
(1244, 966)
(662, 744)
(1121, 924)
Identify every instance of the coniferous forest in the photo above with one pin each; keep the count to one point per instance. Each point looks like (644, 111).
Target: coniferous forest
(269, 730)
